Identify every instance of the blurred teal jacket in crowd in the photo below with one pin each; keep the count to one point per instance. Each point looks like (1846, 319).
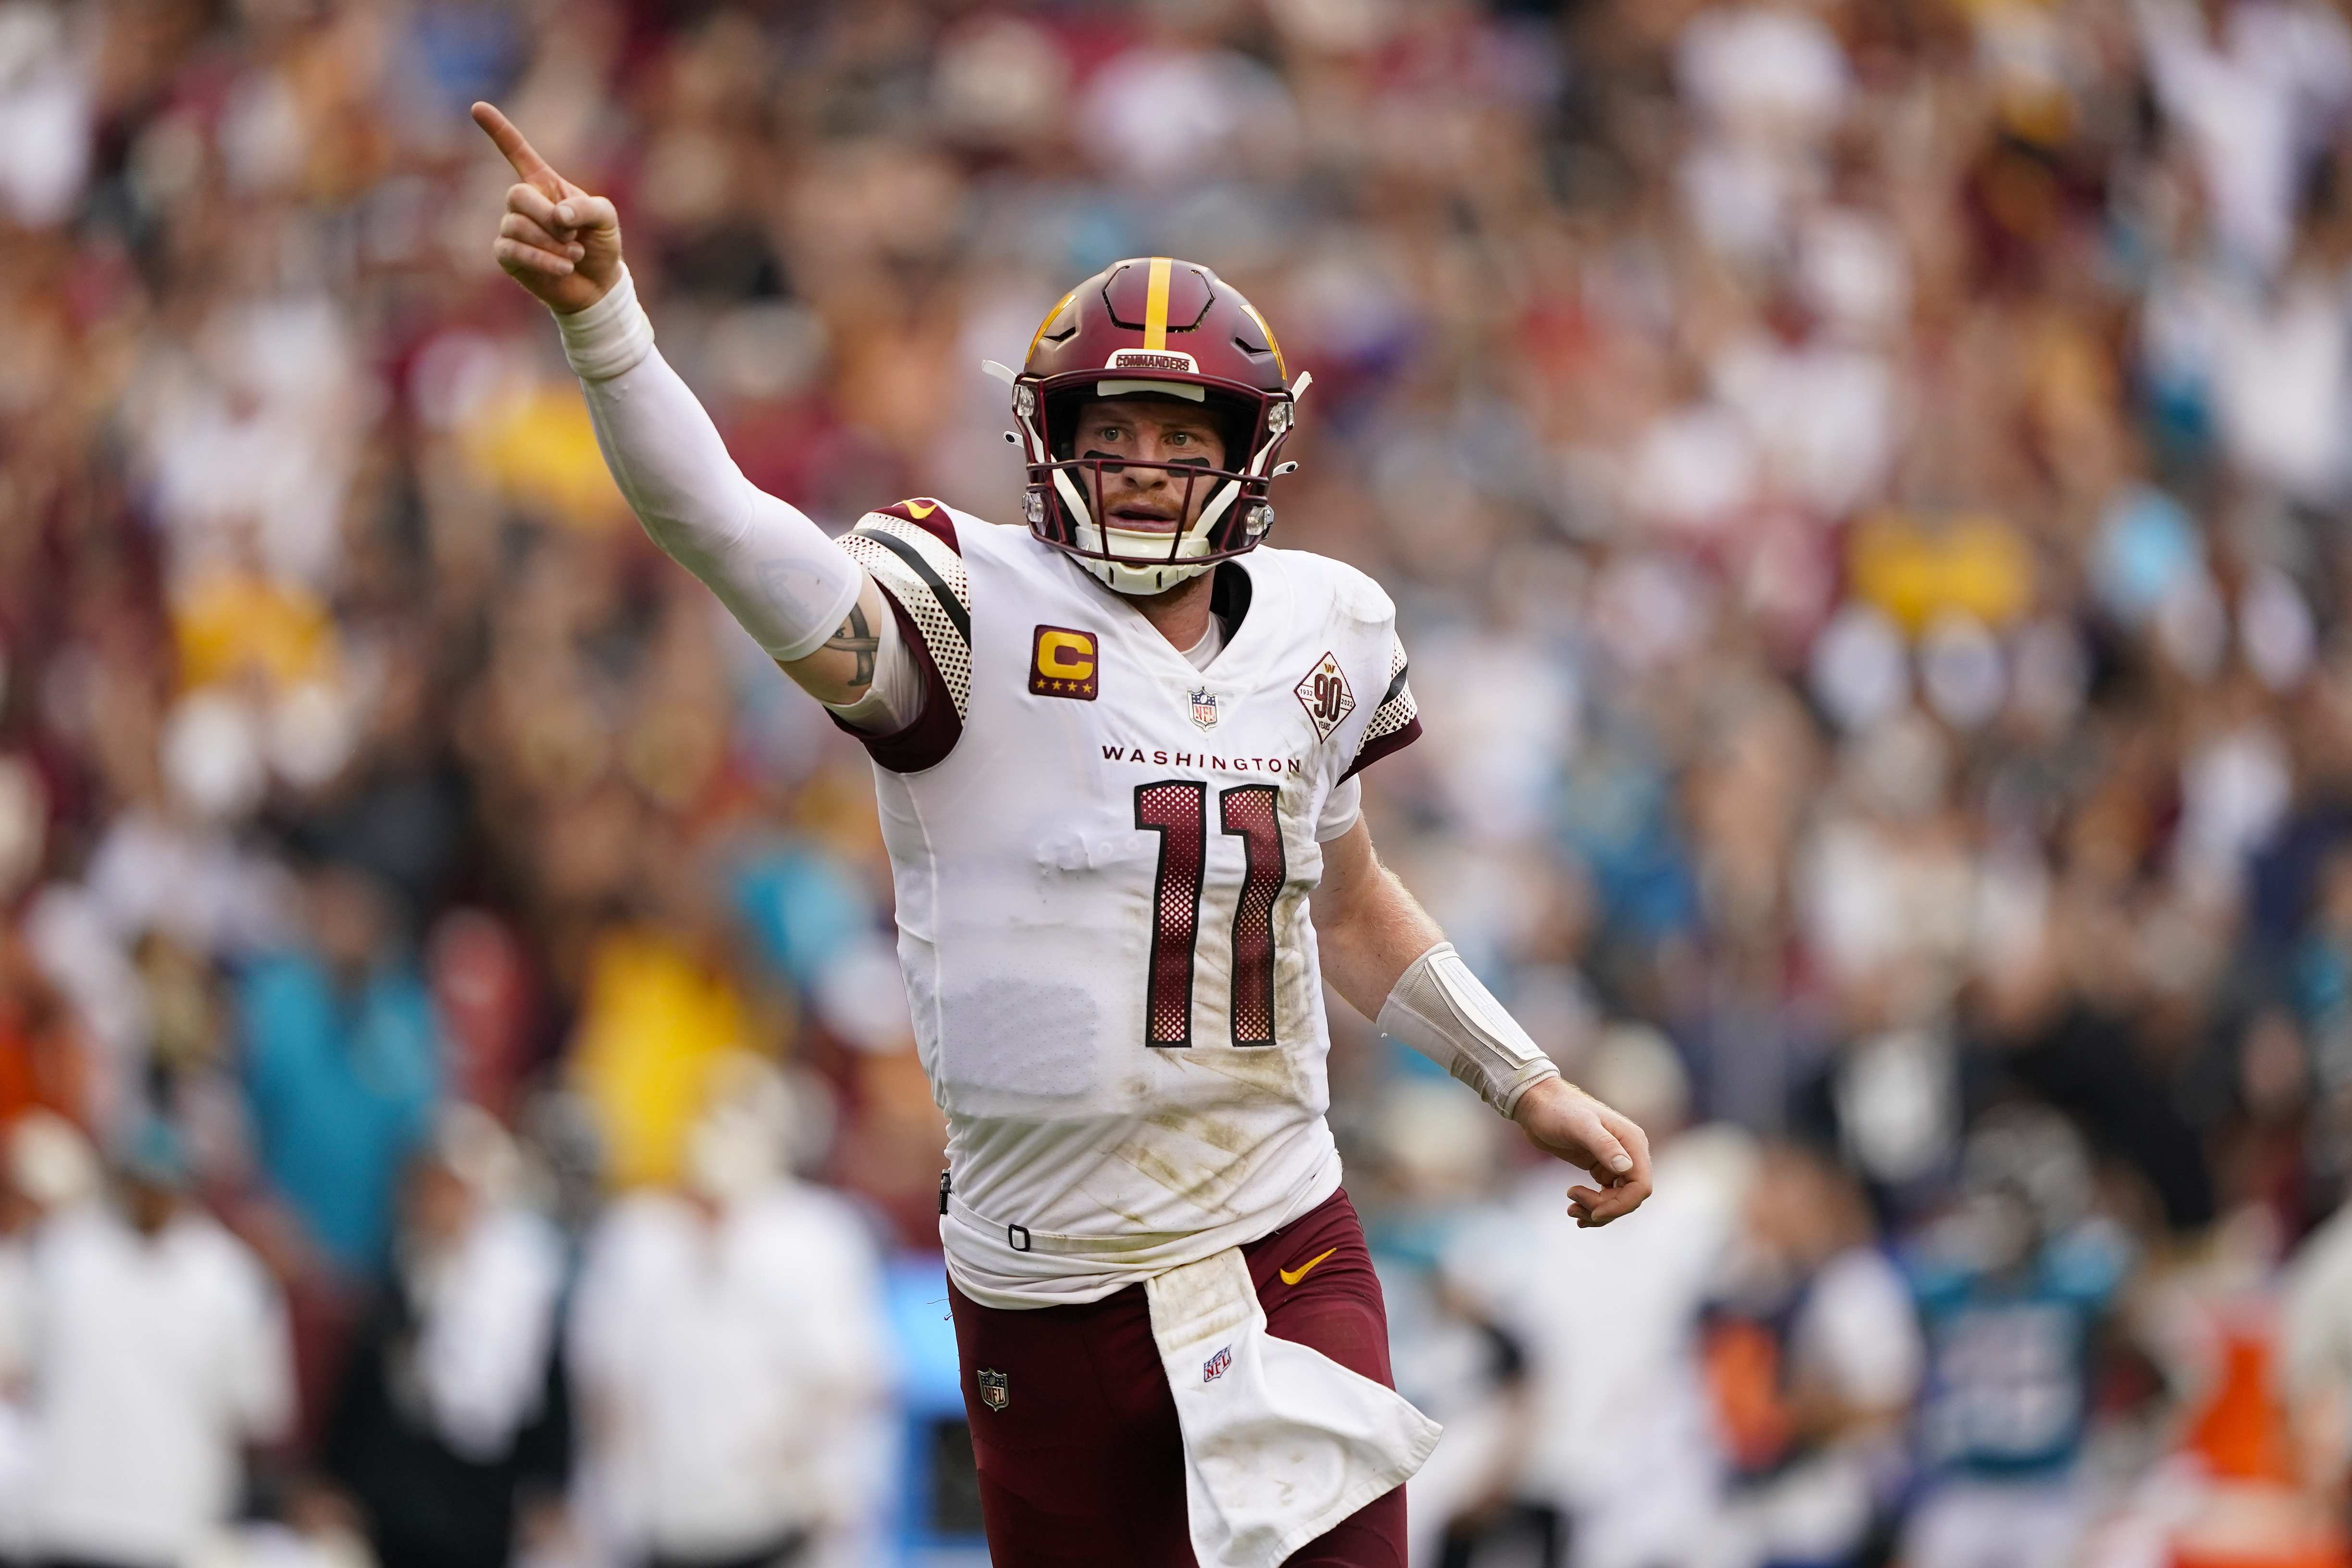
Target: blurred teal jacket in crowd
(342, 1086)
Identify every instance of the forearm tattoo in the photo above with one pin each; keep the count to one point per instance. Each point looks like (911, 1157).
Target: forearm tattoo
(855, 636)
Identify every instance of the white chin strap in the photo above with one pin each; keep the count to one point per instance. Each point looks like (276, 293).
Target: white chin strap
(1128, 576)
(1123, 578)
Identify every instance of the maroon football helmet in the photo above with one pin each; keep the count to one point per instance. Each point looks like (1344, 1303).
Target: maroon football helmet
(1153, 325)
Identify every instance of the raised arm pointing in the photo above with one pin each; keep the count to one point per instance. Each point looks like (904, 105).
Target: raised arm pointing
(804, 600)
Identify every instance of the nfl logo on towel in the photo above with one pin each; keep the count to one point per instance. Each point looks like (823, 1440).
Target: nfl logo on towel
(994, 1390)
(1214, 1367)
(1204, 709)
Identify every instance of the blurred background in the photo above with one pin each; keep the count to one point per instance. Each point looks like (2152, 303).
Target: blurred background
(1866, 483)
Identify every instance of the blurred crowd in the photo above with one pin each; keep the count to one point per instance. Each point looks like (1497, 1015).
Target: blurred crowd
(1868, 485)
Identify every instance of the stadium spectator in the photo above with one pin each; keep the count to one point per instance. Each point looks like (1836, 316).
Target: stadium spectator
(1813, 1357)
(1621, 1446)
(341, 1057)
(2015, 1287)
(726, 1350)
(159, 1357)
(451, 1430)
(49, 1166)
(2315, 1364)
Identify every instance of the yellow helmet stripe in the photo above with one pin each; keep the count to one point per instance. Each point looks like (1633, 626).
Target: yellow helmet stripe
(1155, 303)
(1279, 368)
(1049, 322)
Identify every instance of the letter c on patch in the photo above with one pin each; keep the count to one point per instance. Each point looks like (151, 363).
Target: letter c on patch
(1069, 655)
(1063, 663)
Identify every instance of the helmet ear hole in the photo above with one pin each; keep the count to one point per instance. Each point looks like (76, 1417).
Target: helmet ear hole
(1063, 411)
(1236, 427)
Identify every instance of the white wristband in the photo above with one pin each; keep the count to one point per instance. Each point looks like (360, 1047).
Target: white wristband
(1441, 1009)
(611, 337)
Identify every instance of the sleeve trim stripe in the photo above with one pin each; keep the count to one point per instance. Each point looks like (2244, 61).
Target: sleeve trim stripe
(1396, 685)
(921, 513)
(1391, 717)
(958, 616)
(914, 594)
(1373, 751)
(1392, 713)
(933, 537)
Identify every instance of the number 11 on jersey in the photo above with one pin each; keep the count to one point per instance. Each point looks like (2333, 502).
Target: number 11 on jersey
(1177, 809)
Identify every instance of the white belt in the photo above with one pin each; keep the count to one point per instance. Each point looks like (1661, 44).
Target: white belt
(1021, 1238)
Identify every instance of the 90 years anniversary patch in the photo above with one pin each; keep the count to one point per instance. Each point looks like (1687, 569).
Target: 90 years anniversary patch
(1324, 696)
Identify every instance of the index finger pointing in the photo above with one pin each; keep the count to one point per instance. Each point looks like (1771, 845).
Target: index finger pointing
(528, 165)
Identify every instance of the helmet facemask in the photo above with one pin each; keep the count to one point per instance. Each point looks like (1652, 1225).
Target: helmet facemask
(1222, 511)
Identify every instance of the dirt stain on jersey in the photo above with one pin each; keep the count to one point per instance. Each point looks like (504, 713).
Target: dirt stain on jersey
(1260, 1069)
(1203, 1185)
(1217, 1134)
(1136, 1220)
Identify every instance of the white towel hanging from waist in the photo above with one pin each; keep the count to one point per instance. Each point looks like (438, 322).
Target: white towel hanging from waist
(1281, 1442)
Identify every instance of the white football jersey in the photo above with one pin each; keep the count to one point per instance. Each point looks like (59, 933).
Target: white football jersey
(1102, 859)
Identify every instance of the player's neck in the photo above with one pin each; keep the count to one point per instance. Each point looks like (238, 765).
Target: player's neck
(1180, 614)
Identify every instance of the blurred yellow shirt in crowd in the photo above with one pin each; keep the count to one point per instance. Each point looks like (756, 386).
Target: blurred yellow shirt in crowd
(1915, 569)
(652, 1021)
(229, 625)
(539, 449)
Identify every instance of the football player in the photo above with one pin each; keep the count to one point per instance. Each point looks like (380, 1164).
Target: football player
(1115, 753)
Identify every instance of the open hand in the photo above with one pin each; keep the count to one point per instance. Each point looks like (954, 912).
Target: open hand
(1569, 1125)
(556, 240)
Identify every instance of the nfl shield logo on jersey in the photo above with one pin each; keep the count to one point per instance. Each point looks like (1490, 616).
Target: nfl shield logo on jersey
(1216, 1365)
(995, 1391)
(1204, 708)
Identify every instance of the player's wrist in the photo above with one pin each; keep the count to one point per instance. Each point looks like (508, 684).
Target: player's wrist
(1525, 1087)
(563, 311)
(1542, 1095)
(609, 337)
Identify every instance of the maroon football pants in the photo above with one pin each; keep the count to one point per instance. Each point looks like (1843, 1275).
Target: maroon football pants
(1084, 1466)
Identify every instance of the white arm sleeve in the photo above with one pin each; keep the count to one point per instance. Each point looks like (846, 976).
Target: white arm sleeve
(773, 569)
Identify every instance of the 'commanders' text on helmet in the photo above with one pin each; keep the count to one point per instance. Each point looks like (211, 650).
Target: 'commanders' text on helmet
(1167, 327)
